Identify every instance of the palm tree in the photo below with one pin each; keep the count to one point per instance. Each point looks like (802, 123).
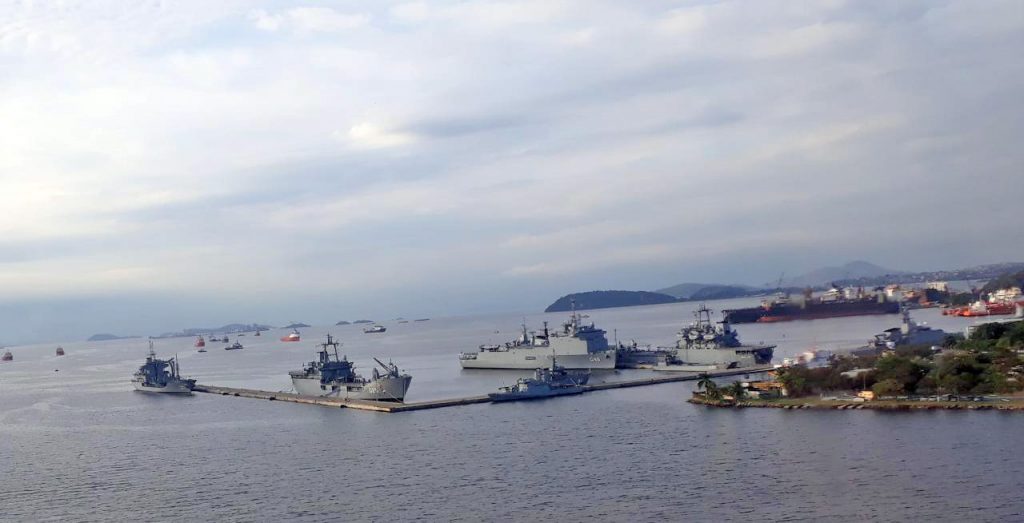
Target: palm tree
(705, 382)
(737, 390)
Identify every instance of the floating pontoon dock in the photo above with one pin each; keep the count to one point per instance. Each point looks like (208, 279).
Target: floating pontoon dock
(384, 406)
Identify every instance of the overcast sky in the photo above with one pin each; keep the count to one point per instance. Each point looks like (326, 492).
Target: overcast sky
(174, 164)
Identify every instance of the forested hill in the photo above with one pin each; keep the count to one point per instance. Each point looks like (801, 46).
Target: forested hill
(608, 299)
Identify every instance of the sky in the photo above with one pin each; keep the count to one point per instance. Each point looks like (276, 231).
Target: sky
(175, 164)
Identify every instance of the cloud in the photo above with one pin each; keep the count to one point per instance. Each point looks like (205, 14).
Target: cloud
(308, 20)
(496, 153)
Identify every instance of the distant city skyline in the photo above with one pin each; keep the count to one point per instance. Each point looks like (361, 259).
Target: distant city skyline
(165, 166)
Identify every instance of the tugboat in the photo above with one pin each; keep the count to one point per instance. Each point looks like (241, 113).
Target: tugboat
(60, 351)
(234, 346)
(200, 342)
(154, 376)
(336, 377)
(293, 336)
(545, 383)
(375, 329)
(7, 356)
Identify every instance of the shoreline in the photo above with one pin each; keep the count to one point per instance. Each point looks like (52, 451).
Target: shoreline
(887, 405)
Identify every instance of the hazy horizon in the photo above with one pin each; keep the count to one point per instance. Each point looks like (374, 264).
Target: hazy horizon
(168, 166)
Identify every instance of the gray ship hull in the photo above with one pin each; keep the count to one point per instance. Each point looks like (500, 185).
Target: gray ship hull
(536, 358)
(534, 395)
(382, 389)
(174, 387)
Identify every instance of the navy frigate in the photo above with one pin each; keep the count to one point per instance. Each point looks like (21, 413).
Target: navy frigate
(545, 383)
(577, 346)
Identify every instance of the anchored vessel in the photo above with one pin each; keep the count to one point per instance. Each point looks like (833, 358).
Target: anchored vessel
(576, 346)
(375, 329)
(200, 342)
(158, 375)
(60, 350)
(908, 333)
(545, 383)
(334, 376)
(703, 346)
(7, 356)
(834, 303)
(292, 336)
(234, 346)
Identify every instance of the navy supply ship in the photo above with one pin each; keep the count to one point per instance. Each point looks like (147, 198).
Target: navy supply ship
(545, 383)
(154, 376)
(834, 303)
(703, 346)
(334, 376)
(576, 346)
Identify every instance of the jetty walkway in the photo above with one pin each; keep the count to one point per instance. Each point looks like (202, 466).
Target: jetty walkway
(390, 407)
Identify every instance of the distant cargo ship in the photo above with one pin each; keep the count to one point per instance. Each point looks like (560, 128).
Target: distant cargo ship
(835, 303)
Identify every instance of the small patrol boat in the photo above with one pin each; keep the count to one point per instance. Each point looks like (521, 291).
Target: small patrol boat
(545, 383)
(335, 376)
(375, 329)
(162, 376)
(234, 346)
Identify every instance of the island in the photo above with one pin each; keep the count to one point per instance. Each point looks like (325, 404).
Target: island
(343, 322)
(608, 299)
(108, 337)
(295, 326)
(363, 321)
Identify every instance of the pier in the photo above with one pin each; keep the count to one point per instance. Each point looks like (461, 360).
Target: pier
(390, 407)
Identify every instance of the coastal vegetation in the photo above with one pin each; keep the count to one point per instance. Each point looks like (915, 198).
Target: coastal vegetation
(989, 362)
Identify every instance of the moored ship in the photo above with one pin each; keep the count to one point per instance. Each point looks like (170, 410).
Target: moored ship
(335, 376)
(545, 383)
(162, 376)
(292, 336)
(577, 346)
(835, 303)
(704, 346)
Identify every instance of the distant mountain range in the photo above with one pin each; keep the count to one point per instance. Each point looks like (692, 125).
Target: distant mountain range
(826, 275)
(854, 273)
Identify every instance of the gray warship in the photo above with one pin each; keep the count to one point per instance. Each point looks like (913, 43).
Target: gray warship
(577, 346)
(908, 333)
(545, 383)
(334, 376)
(162, 376)
(704, 346)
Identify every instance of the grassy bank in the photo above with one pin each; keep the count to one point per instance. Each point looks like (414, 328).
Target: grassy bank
(1013, 404)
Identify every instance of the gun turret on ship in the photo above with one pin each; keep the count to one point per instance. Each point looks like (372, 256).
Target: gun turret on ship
(704, 346)
(335, 376)
(576, 345)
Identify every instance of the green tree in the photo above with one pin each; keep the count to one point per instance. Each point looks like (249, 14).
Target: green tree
(887, 387)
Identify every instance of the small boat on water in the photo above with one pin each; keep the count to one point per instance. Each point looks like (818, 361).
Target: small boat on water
(162, 376)
(293, 336)
(257, 333)
(60, 351)
(375, 329)
(545, 383)
(7, 356)
(200, 342)
(201, 349)
(234, 346)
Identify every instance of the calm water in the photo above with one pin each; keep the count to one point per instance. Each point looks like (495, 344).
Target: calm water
(77, 444)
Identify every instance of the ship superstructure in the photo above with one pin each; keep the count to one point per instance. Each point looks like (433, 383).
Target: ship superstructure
(576, 345)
